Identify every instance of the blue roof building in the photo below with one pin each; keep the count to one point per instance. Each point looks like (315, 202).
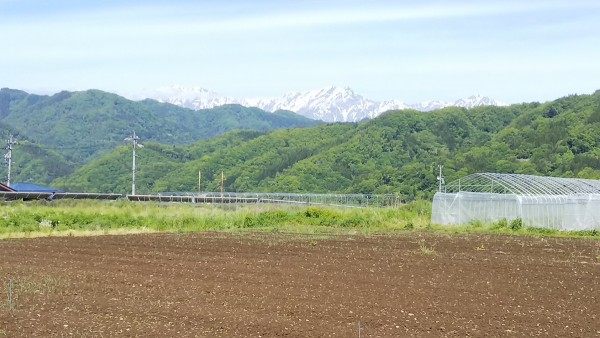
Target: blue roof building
(30, 187)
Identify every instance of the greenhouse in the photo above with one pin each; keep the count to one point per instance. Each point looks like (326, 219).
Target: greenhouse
(568, 204)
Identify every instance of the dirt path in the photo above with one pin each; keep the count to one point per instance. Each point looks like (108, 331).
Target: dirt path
(223, 285)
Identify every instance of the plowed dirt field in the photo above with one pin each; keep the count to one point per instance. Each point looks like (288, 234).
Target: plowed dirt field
(275, 285)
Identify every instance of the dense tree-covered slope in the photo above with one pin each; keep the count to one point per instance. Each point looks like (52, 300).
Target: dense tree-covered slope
(559, 138)
(111, 172)
(30, 161)
(82, 125)
(397, 152)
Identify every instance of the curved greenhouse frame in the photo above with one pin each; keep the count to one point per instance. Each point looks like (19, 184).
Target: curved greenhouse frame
(544, 202)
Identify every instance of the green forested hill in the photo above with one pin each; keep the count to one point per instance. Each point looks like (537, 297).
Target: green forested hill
(31, 162)
(82, 125)
(398, 152)
(559, 138)
(112, 171)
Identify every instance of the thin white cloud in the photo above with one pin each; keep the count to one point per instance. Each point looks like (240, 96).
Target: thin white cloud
(186, 20)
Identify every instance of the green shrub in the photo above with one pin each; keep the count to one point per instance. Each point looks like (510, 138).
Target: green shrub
(250, 222)
(476, 224)
(313, 212)
(321, 216)
(356, 220)
(501, 224)
(266, 219)
(516, 224)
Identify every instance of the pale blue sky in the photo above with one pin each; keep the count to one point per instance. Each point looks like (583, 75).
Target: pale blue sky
(513, 51)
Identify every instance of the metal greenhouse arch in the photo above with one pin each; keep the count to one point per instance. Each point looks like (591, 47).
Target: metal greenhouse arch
(570, 204)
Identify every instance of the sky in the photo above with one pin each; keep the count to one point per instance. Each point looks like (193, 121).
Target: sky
(413, 51)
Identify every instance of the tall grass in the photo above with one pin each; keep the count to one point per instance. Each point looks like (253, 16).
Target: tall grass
(48, 218)
(77, 217)
(513, 227)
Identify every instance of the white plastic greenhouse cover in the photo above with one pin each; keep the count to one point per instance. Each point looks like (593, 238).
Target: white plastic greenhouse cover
(568, 204)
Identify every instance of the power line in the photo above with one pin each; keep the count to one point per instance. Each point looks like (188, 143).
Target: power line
(96, 146)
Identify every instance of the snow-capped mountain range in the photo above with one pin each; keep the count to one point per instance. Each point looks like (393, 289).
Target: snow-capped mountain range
(333, 104)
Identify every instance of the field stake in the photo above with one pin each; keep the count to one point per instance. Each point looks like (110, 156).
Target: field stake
(10, 295)
(359, 329)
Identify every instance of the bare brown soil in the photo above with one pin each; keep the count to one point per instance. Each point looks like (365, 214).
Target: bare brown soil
(274, 285)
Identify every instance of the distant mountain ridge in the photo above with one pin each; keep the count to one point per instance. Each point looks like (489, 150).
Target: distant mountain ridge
(69, 128)
(333, 104)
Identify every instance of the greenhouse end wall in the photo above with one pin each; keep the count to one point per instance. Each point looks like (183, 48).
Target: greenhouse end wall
(575, 212)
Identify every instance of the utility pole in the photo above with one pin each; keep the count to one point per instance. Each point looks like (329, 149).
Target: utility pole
(134, 139)
(440, 178)
(222, 182)
(8, 156)
(199, 181)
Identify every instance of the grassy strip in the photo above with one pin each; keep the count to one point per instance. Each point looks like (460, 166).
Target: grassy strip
(42, 218)
(498, 228)
(79, 217)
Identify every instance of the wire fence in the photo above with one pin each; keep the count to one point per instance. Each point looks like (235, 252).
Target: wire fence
(342, 200)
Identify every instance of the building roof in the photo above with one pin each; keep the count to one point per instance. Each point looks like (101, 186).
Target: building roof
(5, 188)
(30, 187)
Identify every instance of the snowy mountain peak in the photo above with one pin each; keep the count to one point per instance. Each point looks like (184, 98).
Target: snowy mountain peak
(330, 104)
(343, 91)
(190, 97)
(183, 92)
(477, 100)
